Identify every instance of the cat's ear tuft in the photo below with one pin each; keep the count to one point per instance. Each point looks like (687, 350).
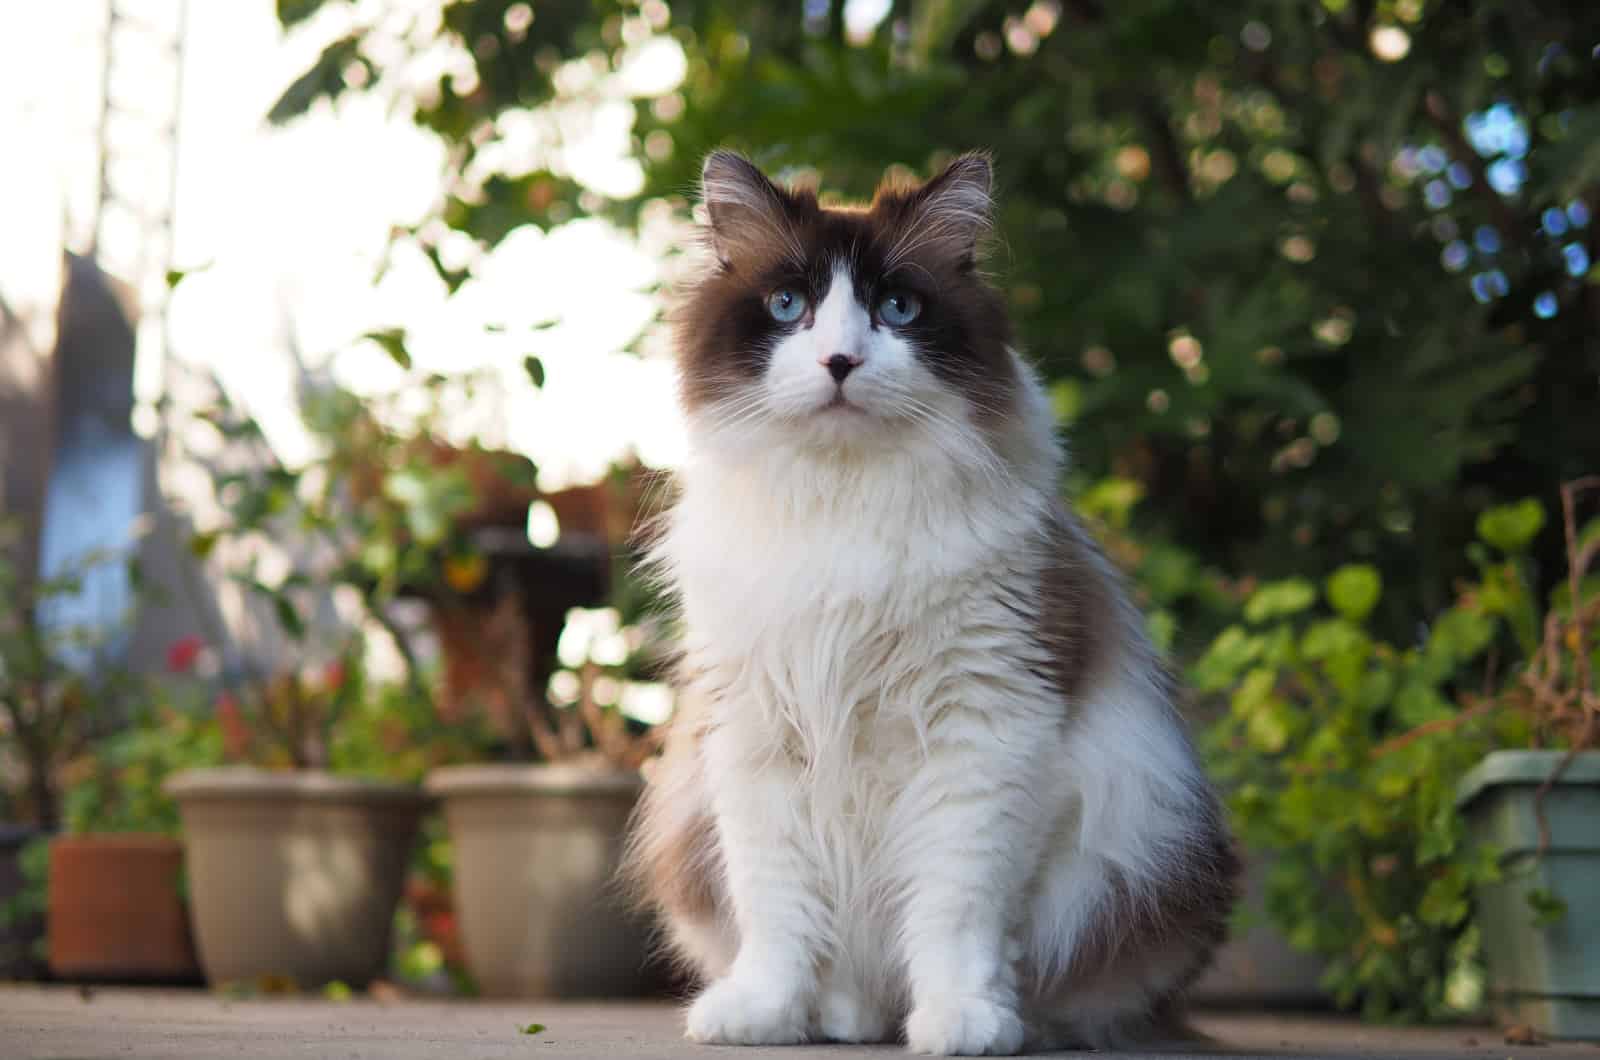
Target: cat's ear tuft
(956, 208)
(747, 211)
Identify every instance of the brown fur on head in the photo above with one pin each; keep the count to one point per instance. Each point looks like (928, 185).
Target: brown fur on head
(922, 239)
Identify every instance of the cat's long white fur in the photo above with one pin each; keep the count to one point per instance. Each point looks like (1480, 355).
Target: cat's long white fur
(913, 832)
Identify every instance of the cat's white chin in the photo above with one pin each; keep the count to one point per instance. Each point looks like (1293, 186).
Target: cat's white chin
(841, 404)
(837, 421)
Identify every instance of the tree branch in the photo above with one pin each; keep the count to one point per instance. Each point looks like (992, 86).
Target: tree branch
(1165, 150)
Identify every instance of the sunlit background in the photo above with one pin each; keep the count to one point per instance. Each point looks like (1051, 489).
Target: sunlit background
(293, 227)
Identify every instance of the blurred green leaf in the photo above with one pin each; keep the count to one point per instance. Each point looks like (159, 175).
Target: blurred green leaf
(1227, 656)
(325, 78)
(1353, 590)
(288, 618)
(1112, 499)
(1280, 599)
(1548, 907)
(291, 12)
(393, 342)
(1511, 528)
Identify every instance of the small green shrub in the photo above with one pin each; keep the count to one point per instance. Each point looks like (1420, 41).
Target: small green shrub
(1341, 753)
(116, 786)
(22, 912)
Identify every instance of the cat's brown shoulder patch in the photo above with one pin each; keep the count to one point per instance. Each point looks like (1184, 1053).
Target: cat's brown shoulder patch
(1080, 620)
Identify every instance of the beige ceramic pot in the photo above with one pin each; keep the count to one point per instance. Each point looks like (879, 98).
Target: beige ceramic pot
(294, 874)
(536, 850)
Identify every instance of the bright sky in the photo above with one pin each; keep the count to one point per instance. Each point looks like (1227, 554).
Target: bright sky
(290, 227)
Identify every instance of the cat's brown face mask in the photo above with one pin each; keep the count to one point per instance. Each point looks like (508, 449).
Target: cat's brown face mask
(838, 326)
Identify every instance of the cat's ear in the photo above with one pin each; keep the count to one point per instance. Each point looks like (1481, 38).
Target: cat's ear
(955, 209)
(748, 213)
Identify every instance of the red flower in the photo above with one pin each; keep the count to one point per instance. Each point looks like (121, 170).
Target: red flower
(333, 676)
(182, 653)
(235, 730)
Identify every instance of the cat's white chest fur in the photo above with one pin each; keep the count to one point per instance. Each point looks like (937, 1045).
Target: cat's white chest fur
(830, 620)
(898, 786)
(856, 648)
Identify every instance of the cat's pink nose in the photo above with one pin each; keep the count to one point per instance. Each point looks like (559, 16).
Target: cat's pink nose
(841, 365)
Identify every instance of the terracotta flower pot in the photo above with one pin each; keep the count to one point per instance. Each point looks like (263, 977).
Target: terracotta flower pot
(117, 910)
(536, 851)
(294, 874)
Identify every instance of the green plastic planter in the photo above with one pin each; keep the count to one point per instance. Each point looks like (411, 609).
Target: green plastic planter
(1546, 977)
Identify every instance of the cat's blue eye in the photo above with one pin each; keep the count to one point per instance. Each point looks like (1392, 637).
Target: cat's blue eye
(786, 305)
(899, 308)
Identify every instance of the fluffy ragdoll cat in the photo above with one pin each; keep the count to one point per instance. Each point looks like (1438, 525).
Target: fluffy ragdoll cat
(926, 780)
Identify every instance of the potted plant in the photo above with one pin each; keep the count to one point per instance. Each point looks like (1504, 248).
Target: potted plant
(116, 893)
(57, 682)
(537, 846)
(297, 850)
(1348, 758)
(295, 866)
(1539, 806)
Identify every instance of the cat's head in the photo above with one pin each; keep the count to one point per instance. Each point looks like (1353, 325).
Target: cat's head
(838, 327)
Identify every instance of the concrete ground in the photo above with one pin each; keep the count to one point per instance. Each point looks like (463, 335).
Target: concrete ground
(62, 1023)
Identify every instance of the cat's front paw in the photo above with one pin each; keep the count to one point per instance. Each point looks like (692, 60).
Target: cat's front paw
(957, 1025)
(736, 1012)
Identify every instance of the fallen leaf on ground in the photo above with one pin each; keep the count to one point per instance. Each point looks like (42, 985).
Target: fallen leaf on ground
(532, 1028)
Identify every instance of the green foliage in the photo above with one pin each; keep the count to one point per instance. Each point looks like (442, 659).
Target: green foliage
(1257, 247)
(390, 733)
(332, 717)
(1511, 528)
(326, 78)
(59, 682)
(1279, 600)
(388, 502)
(116, 786)
(28, 905)
(1548, 908)
(385, 508)
(1341, 753)
(1353, 590)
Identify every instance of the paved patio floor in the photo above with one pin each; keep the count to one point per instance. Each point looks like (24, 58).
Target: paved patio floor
(60, 1023)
